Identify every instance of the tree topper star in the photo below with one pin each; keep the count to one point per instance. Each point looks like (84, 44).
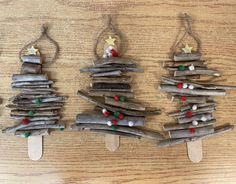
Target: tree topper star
(187, 49)
(110, 41)
(32, 51)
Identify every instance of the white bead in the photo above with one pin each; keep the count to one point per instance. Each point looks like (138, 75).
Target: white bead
(191, 67)
(109, 54)
(185, 85)
(104, 110)
(104, 56)
(190, 86)
(194, 107)
(131, 123)
(110, 48)
(195, 122)
(109, 123)
(203, 118)
(107, 51)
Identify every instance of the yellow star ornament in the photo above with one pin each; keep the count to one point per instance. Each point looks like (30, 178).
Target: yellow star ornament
(110, 41)
(32, 51)
(187, 49)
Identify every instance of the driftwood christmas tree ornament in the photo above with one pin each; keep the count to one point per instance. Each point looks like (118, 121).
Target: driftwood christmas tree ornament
(36, 107)
(116, 114)
(194, 119)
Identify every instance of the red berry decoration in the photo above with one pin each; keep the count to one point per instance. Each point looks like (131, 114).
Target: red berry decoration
(106, 114)
(25, 121)
(189, 114)
(114, 53)
(183, 98)
(192, 130)
(121, 116)
(114, 121)
(116, 98)
(180, 85)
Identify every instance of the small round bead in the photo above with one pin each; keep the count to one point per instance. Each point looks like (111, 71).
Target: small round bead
(109, 123)
(104, 56)
(61, 129)
(116, 98)
(26, 134)
(104, 110)
(190, 86)
(194, 107)
(191, 67)
(183, 98)
(185, 85)
(189, 114)
(195, 122)
(38, 101)
(121, 116)
(180, 85)
(30, 113)
(109, 54)
(203, 118)
(181, 68)
(131, 123)
(113, 127)
(110, 47)
(114, 122)
(25, 121)
(116, 114)
(114, 53)
(106, 114)
(122, 98)
(192, 130)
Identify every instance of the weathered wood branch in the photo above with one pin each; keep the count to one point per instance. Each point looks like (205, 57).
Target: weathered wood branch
(31, 83)
(116, 133)
(31, 59)
(113, 60)
(110, 93)
(138, 132)
(27, 68)
(199, 117)
(35, 113)
(203, 105)
(184, 63)
(48, 126)
(197, 72)
(29, 77)
(110, 69)
(100, 119)
(187, 57)
(42, 132)
(38, 118)
(114, 86)
(193, 99)
(123, 79)
(105, 74)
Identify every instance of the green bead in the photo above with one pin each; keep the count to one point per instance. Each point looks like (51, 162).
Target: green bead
(181, 68)
(30, 113)
(61, 129)
(116, 114)
(38, 101)
(26, 134)
(113, 127)
(122, 98)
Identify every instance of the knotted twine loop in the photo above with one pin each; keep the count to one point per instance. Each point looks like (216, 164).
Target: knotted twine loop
(187, 23)
(109, 27)
(44, 33)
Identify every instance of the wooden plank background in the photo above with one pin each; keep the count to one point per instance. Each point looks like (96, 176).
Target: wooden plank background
(150, 28)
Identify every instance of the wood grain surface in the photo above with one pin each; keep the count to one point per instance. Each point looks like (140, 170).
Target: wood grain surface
(150, 28)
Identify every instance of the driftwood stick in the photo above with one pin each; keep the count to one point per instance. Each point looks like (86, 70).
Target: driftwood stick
(31, 68)
(22, 107)
(36, 92)
(33, 105)
(34, 114)
(124, 80)
(100, 119)
(125, 104)
(20, 126)
(184, 63)
(42, 132)
(104, 86)
(176, 68)
(186, 133)
(187, 57)
(114, 109)
(203, 105)
(199, 117)
(115, 133)
(31, 87)
(110, 93)
(188, 77)
(197, 72)
(43, 100)
(39, 118)
(200, 92)
(175, 126)
(48, 126)
(218, 130)
(193, 99)
(113, 60)
(31, 83)
(138, 132)
(105, 74)
(31, 59)
(29, 77)
(110, 69)
(26, 96)
(113, 90)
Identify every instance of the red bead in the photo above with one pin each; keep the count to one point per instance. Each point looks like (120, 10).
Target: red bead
(116, 98)
(192, 130)
(183, 98)
(106, 114)
(25, 121)
(114, 53)
(189, 114)
(180, 85)
(121, 116)
(114, 121)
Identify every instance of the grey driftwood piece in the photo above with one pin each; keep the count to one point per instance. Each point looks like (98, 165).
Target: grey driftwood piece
(29, 77)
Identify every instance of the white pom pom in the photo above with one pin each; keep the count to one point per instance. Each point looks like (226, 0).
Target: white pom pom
(203, 118)
(194, 107)
(185, 85)
(109, 123)
(131, 123)
(191, 67)
(195, 122)
(104, 110)
(190, 86)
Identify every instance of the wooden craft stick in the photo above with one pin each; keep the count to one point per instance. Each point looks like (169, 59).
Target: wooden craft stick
(112, 142)
(194, 149)
(35, 147)
(29, 77)
(100, 119)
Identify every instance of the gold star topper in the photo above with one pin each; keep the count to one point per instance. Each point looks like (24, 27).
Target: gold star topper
(32, 51)
(110, 41)
(187, 49)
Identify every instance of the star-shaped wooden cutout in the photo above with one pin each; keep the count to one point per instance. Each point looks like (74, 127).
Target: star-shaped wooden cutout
(187, 49)
(32, 51)
(110, 41)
